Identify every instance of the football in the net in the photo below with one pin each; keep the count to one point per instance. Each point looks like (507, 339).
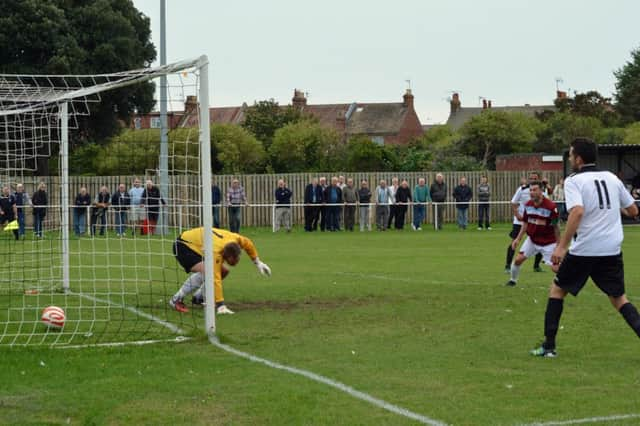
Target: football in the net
(53, 317)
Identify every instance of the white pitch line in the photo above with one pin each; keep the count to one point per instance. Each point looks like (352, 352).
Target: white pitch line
(586, 420)
(153, 318)
(324, 380)
(178, 339)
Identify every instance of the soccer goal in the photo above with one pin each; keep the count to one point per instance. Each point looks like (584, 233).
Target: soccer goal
(106, 262)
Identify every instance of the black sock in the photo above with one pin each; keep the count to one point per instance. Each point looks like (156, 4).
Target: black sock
(538, 259)
(510, 253)
(552, 322)
(631, 316)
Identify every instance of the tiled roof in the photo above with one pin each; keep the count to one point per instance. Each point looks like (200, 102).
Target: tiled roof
(382, 118)
(328, 114)
(464, 114)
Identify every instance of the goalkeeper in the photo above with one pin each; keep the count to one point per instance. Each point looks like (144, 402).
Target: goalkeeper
(227, 247)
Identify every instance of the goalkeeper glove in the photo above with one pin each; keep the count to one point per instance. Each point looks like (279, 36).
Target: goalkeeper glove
(262, 267)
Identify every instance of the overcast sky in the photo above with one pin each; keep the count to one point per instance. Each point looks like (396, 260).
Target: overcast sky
(341, 51)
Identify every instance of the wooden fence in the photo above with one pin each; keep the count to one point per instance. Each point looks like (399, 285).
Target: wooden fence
(184, 195)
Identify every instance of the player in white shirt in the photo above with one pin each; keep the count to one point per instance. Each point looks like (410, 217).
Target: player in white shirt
(520, 198)
(594, 228)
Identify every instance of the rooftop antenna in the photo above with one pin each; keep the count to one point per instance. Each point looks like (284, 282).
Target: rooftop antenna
(558, 81)
(408, 81)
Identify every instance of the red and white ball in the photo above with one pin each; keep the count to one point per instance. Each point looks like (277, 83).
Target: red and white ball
(53, 317)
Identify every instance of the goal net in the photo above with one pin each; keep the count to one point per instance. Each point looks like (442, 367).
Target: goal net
(82, 226)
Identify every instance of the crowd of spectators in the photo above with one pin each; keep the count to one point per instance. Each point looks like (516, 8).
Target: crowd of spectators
(329, 205)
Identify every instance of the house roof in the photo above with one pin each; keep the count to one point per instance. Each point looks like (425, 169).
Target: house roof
(327, 114)
(457, 119)
(377, 118)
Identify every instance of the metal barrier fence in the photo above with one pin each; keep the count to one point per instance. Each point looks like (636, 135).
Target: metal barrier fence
(260, 191)
(182, 216)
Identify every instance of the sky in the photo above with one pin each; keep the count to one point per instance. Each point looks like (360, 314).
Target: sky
(512, 52)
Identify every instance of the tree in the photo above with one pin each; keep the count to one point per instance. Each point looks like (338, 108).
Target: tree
(632, 134)
(81, 37)
(265, 117)
(557, 132)
(364, 155)
(236, 150)
(306, 146)
(590, 104)
(496, 132)
(628, 88)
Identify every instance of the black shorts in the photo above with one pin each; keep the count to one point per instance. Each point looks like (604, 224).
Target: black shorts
(607, 272)
(186, 257)
(515, 231)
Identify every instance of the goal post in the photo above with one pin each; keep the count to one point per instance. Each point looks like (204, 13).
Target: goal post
(96, 257)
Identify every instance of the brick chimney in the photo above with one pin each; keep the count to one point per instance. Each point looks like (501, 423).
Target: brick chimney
(489, 104)
(408, 99)
(455, 103)
(299, 100)
(190, 105)
(561, 94)
(484, 104)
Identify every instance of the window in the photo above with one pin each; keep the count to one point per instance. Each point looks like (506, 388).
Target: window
(155, 122)
(378, 140)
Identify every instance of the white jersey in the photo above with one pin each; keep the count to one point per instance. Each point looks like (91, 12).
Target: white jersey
(521, 197)
(602, 195)
(392, 196)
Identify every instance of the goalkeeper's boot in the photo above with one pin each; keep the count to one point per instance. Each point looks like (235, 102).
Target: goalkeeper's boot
(198, 301)
(544, 352)
(223, 310)
(511, 283)
(178, 305)
(537, 269)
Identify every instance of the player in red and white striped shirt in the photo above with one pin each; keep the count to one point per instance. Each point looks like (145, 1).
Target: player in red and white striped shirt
(540, 223)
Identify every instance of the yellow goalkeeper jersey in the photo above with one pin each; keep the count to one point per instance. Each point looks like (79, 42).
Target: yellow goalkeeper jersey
(194, 239)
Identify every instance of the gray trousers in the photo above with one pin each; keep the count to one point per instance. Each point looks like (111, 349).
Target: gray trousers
(364, 218)
(283, 218)
(382, 216)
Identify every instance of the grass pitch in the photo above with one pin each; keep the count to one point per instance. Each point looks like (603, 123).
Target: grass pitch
(421, 320)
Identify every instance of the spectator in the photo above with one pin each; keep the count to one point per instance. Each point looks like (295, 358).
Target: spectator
(312, 200)
(40, 201)
(8, 209)
(403, 198)
(151, 198)
(364, 198)
(341, 185)
(462, 194)
(136, 213)
(283, 206)
(350, 197)
(323, 209)
(438, 194)
(547, 190)
(484, 195)
(236, 198)
(382, 194)
(333, 197)
(420, 199)
(22, 201)
(558, 198)
(216, 199)
(80, 205)
(392, 201)
(121, 202)
(99, 210)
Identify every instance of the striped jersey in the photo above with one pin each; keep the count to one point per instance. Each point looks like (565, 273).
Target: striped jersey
(540, 220)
